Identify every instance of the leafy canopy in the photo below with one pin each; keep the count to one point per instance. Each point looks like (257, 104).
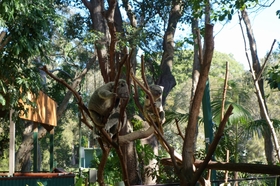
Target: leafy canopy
(26, 27)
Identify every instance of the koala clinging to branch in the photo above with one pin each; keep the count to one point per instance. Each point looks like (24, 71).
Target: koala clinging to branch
(104, 99)
(156, 91)
(114, 120)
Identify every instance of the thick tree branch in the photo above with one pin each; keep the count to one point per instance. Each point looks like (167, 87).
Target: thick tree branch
(88, 4)
(258, 82)
(139, 134)
(6, 41)
(213, 145)
(237, 167)
(112, 30)
(166, 78)
(188, 147)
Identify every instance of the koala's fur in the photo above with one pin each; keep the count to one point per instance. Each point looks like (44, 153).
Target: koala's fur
(156, 91)
(104, 98)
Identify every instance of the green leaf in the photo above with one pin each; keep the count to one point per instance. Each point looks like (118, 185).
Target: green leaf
(2, 100)
(278, 13)
(229, 16)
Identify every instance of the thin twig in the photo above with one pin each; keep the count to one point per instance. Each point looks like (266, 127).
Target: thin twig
(224, 93)
(164, 143)
(266, 59)
(179, 130)
(136, 96)
(79, 102)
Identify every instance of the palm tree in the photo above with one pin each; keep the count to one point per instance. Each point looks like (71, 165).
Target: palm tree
(261, 128)
(234, 132)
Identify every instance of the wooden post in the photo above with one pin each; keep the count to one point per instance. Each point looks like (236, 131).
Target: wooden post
(12, 145)
(226, 172)
(51, 149)
(35, 149)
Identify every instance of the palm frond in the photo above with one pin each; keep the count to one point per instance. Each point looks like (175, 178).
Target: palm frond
(171, 116)
(260, 126)
(181, 117)
(239, 115)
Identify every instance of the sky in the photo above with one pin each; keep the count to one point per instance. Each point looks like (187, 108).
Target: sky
(266, 28)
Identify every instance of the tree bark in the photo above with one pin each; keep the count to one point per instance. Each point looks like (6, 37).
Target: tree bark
(99, 24)
(23, 153)
(130, 156)
(166, 78)
(187, 171)
(197, 56)
(197, 60)
(238, 167)
(152, 165)
(129, 150)
(261, 99)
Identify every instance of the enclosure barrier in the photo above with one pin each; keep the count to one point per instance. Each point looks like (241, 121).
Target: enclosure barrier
(35, 179)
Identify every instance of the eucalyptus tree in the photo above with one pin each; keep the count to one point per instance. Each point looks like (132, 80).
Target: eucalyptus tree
(148, 16)
(156, 22)
(34, 34)
(257, 70)
(24, 33)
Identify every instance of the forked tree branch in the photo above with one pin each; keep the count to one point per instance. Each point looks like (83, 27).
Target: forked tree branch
(188, 147)
(213, 145)
(262, 104)
(179, 130)
(266, 59)
(161, 139)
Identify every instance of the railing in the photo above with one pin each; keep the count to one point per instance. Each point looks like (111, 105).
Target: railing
(35, 179)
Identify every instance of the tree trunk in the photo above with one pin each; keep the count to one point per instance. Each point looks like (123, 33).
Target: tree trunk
(197, 56)
(197, 60)
(23, 153)
(129, 150)
(25, 166)
(187, 171)
(27, 144)
(166, 78)
(152, 165)
(268, 146)
(257, 69)
(99, 25)
(130, 156)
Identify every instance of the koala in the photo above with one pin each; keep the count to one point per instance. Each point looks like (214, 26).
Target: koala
(156, 91)
(104, 99)
(112, 125)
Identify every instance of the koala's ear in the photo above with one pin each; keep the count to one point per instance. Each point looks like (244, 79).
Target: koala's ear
(122, 82)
